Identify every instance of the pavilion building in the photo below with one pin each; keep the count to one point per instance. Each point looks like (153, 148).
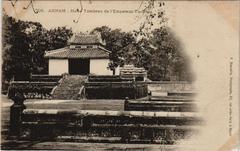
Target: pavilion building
(85, 54)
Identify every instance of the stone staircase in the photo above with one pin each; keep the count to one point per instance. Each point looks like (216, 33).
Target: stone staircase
(69, 87)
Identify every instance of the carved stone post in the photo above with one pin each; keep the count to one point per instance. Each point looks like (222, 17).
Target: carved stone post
(126, 104)
(149, 95)
(16, 111)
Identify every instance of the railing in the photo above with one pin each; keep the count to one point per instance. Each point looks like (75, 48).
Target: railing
(38, 87)
(181, 93)
(45, 78)
(169, 98)
(115, 90)
(31, 90)
(108, 78)
(170, 86)
(101, 126)
(170, 106)
(114, 87)
(172, 103)
(117, 126)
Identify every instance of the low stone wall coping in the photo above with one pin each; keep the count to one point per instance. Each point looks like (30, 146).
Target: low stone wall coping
(169, 82)
(113, 113)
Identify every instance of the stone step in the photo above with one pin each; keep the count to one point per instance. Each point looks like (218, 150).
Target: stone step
(69, 87)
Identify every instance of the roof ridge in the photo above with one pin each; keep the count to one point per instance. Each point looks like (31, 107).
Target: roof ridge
(98, 47)
(104, 49)
(67, 52)
(56, 50)
(81, 38)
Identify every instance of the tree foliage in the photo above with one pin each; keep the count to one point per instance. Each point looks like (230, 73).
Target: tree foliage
(24, 44)
(117, 42)
(16, 54)
(161, 53)
(169, 58)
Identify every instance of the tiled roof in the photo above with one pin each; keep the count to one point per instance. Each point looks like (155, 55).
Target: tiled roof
(86, 39)
(65, 53)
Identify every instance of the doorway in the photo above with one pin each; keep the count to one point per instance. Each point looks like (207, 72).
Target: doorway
(79, 66)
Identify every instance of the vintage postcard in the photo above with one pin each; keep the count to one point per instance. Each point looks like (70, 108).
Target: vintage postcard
(122, 75)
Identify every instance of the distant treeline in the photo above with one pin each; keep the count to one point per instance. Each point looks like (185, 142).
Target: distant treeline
(24, 44)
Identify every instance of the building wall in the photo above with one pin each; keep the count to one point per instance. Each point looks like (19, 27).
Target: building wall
(57, 66)
(99, 67)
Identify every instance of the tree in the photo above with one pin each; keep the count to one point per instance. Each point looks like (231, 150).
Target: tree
(16, 54)
(143, 54)
(117, 42)
(42, 40)
(154, 16)
(24, 44)
(168, 57)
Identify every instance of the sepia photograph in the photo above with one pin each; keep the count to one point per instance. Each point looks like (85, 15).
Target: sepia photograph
(101, 75)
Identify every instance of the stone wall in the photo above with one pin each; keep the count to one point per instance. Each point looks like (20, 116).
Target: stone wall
(117, 126)
(115, 90)
(170, 86)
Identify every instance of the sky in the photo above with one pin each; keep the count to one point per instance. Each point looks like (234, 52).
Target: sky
(126, 21)
(87, 20)
(208, 30)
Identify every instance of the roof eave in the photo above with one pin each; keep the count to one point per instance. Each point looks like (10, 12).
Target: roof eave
(77, 57)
